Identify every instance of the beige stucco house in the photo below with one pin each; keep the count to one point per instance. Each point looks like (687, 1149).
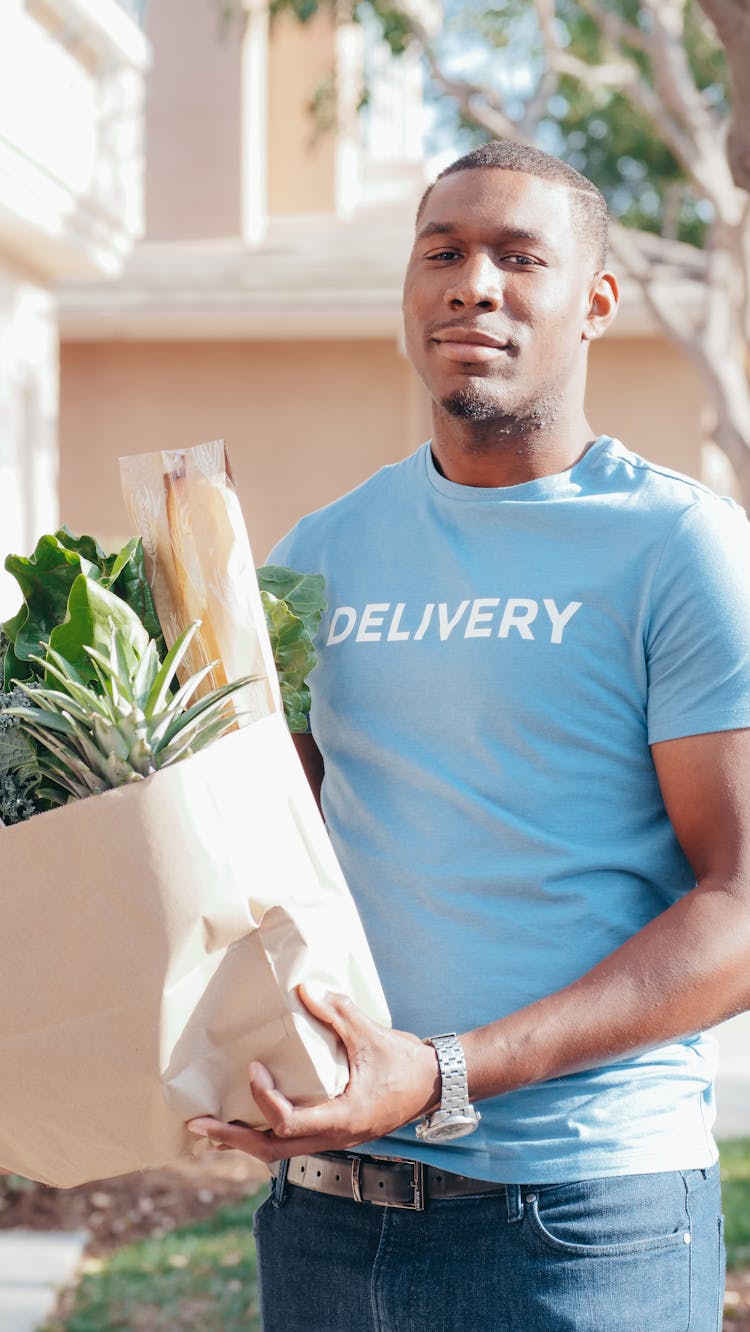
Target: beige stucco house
(263, 304)
(71, 192)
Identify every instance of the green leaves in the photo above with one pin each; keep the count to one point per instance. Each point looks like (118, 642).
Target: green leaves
(295, 657)
(93, 613)
(98, 702)
(21, 782)
(303, 593)
(129, 581)
(46, 580)
(125, 724)
(293, 604)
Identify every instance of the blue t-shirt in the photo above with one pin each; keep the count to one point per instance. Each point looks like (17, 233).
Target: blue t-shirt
(493, 666)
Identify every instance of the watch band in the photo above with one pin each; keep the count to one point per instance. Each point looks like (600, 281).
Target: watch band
(455, 1088)
(456, 1116)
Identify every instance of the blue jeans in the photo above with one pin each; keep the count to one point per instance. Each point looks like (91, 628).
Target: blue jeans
(635, 1253)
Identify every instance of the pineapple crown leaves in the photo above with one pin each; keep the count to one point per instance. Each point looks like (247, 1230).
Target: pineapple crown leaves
(126, 723)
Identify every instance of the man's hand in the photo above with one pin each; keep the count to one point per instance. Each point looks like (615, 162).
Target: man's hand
(393, 1078)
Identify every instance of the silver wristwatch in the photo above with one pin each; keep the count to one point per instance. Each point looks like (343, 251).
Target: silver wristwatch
(456, 1116)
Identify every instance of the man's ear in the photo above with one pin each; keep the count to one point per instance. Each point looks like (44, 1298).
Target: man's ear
(604, 298)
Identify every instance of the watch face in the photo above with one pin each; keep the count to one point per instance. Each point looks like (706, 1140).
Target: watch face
(444, 1125)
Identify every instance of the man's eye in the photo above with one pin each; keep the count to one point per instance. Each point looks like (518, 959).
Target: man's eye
(441, 255)
(521, 260)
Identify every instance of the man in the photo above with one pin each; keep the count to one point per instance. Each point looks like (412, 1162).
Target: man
(530, 717)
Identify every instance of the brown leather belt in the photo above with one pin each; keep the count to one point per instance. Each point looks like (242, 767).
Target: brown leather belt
(385, 1181)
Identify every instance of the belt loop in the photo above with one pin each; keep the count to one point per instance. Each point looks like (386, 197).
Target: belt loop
(356, 1167)
(514, 1202)
(278, 1186)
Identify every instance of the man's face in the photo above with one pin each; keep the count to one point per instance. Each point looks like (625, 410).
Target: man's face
(497, 296)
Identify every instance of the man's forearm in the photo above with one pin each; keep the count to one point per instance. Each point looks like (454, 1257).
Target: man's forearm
(686, 970)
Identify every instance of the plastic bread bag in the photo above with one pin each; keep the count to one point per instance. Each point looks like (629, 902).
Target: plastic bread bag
(183, 503)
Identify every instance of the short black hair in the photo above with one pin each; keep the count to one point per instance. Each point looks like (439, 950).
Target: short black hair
(588, 203)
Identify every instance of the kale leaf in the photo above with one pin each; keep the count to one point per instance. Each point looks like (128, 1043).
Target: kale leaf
(293, 604)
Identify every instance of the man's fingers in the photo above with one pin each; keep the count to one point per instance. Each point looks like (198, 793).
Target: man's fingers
(290, 1121)
(351, 1025)
(205, 1126)
(316, 1134)
(237, 1137)
(285, 1120)
(304, 1129)
(277, 1111)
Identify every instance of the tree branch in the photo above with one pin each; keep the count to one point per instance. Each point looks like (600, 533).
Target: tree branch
(475, 102)
(677, 90)
(620, 74)
(628, 247)
(614, 28)
(731, 18)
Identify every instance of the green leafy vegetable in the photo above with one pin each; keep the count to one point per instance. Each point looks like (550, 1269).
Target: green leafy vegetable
(97, 702)
(46, 579)
(129, 581)
(19, 775)
(93, 612)
(21, 790)
(293, 604)
(294, 656)
(303, 593)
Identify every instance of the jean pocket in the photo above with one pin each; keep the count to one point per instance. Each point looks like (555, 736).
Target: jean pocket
(631, 1214)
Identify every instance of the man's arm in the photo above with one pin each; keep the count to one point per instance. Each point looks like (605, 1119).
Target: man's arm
(686, 970)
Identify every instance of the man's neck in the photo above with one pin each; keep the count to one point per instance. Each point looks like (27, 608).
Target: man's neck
(473, 454)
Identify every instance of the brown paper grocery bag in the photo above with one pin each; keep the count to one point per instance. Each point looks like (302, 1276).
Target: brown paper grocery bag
(152, 939)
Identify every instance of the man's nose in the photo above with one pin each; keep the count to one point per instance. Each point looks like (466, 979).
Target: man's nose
(476, 283)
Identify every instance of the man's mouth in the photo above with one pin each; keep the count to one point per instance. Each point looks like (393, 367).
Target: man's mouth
(469, 345)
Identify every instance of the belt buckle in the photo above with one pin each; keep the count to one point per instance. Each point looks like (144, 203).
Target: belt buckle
(416, 1202)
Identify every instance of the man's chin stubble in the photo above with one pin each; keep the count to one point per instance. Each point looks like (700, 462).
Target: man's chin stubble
(472, 406)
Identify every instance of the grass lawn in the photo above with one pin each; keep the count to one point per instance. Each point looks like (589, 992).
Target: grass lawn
(202, 1277)
(735, 1175)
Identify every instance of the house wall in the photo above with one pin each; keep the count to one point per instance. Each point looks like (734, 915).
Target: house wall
(303, 422)
(306, 421)
(645, 392)
(301, 148)
(193, 122)
(71, 93)
(201, 102)
(28, 416)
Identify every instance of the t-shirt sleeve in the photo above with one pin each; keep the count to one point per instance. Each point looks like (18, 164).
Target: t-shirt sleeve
(698, 638)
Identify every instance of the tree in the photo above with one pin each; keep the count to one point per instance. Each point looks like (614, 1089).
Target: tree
(664, 86)
(669, 66)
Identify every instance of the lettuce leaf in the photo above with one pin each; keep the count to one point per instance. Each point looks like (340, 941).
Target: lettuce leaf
(93, 613)
(293, 604)
(303, 593)
(46, 579)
